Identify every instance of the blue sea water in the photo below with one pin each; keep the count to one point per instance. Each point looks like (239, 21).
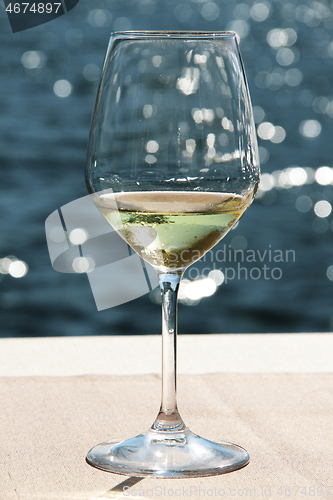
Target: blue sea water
(48, 81)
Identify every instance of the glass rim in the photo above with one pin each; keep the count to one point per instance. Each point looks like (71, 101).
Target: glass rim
(191, 35)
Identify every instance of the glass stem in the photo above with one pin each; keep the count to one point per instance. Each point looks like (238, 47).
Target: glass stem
(168, 418)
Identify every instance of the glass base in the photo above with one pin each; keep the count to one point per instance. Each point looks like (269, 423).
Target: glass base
(167, 455)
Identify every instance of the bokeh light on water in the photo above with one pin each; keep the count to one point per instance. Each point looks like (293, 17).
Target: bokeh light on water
(13, 267)
(50, 76)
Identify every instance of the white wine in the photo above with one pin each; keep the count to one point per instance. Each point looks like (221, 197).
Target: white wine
(171, 229)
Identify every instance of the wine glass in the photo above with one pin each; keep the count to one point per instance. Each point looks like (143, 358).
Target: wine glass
(172, 165)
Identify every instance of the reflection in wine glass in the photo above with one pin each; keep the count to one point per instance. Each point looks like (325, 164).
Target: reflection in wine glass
(172, 166)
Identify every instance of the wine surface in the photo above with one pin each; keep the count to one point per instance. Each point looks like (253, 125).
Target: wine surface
(171, 229)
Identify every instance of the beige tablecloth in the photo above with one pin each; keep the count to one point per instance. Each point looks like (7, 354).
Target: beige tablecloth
(48, 424)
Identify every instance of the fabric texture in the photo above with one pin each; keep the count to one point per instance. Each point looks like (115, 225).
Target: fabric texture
(48, 424)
